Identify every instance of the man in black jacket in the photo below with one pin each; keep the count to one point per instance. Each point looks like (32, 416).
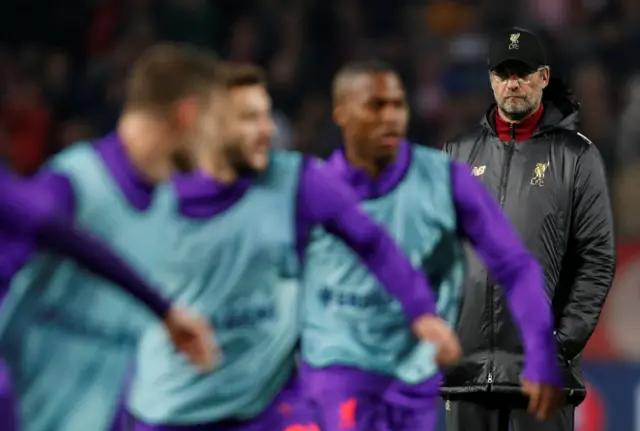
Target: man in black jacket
(551, 184)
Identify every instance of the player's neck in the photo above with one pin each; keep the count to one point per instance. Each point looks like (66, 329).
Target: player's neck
(218, 167)
(370, 165)
(140, 134)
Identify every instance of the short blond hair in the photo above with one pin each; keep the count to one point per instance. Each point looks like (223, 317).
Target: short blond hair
(167, 73)
(243, 75)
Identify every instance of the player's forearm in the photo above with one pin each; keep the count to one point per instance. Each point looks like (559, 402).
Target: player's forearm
(531, 311)
(521, 278)
(383, 257)
(31, 209)
(58, 235)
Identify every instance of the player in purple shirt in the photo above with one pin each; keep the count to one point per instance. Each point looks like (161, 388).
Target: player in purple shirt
(371, 110)
(28, 213)
(164, 92)
(229, 165)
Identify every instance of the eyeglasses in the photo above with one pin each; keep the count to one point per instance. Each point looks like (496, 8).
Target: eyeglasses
(523, 77)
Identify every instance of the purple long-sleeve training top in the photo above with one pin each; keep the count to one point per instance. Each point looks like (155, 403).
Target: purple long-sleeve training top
(38, 213)
(482, 223)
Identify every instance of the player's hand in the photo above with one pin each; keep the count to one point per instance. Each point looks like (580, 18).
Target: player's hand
(544, 399)
(438, 332)
(192, 335)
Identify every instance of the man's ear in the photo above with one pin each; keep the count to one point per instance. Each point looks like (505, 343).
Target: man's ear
(546, 75)
(340, 115)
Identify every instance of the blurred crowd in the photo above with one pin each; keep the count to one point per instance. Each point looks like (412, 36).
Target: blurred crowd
(62, 65)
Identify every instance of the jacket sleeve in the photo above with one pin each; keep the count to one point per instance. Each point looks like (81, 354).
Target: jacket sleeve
(592, 255)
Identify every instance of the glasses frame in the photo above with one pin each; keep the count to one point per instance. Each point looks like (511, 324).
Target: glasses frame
(524, 80)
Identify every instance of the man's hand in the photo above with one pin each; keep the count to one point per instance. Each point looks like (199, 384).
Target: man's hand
(544, 399)
(192, 335)
(436, 331)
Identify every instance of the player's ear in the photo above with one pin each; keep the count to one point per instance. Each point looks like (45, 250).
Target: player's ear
(339, 115)
(186, 113)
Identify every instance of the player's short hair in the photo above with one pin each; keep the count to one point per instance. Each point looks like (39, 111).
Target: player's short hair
(167, 73)
(243, 75)
(356, 68)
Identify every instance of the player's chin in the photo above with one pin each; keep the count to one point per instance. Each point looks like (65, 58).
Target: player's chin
(385, 151)
(259, 161)
(165, 171)
(181, 163)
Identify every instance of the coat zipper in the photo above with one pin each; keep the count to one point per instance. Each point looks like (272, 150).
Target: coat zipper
(503, 195)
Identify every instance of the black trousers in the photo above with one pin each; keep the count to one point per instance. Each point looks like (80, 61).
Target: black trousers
(501, 415)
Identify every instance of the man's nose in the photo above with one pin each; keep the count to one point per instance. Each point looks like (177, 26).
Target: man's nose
(390, 114)
(513, 82)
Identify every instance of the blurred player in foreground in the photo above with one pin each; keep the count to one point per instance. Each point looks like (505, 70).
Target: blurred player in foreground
(66, 336)
(28, 214)
(365, 369)
(237, 240)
